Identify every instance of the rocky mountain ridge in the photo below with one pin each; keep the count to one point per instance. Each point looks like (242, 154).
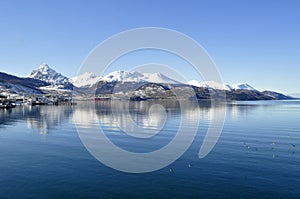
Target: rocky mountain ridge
(129, 85)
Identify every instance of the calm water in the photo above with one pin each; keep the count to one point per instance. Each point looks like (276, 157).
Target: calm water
(257, 154)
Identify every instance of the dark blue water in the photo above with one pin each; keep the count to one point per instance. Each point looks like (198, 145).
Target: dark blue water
(256, 156)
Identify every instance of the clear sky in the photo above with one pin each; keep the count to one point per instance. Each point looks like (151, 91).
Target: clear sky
(250, 41)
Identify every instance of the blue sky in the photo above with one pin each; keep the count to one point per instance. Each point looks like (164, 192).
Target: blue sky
(250, 41)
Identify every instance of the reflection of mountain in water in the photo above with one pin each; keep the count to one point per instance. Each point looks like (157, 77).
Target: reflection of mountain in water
(126, 123)
(49, 117)
(126, 115)
(147, 117)
(42, 118)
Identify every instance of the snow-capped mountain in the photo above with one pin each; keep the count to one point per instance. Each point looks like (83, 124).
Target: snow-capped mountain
(210, 84)
(86, 79)
(219, 86)
(125, 76)
(123, 84)
(242, 86)
(55, 79)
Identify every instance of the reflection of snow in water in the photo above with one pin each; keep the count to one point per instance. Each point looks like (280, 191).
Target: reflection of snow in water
(85, 117)
(43, 118)
(142, 125)
(138, 119)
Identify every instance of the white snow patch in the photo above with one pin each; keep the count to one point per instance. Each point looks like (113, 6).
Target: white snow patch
(125, 76)
(86, 79)
(209, 84)
(242, 86)
(219, 86)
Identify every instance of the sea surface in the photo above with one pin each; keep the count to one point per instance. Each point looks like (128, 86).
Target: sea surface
(257, 154)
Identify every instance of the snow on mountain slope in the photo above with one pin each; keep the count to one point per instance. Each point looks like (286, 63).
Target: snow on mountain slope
(209, 84)
(47, 74)
(159, 78)
(242, 86)
(16, 89)
(125, 76)
(215, 85)
(86, 79)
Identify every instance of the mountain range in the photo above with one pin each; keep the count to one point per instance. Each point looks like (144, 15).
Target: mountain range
(124, 84)
(54, 79)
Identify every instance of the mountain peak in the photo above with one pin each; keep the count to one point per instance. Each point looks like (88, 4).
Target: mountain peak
(86, 79)
(210, 85)
(242, 86)
(45, 69)
(219, 86)
(45, 73)
(44, 66)
(126, 76)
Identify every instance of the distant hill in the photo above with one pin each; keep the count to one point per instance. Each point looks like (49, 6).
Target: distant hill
(296, 95)
(276, 95)
(10, 84)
